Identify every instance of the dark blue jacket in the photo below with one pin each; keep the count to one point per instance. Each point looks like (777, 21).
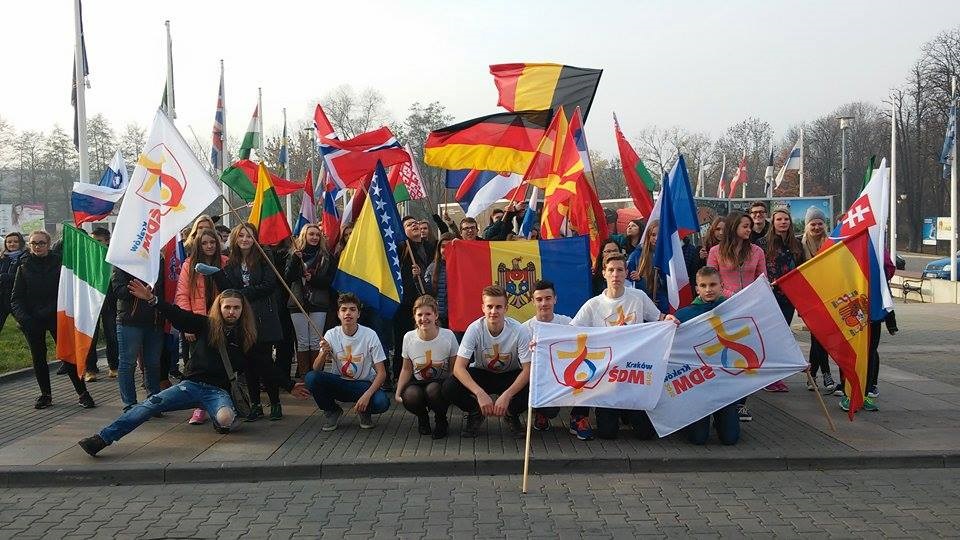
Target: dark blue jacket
(698, 307)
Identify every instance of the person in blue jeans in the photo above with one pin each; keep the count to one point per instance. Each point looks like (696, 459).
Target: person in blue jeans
(358, 371)
(139, 335)
(725, 421)
(230, 325)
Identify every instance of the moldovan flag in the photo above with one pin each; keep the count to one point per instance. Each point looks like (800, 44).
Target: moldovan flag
(498, 142)
(266, 213)
(619, 367)
(84, 280)
(720, 356)
(832, 295)
(535, 87)
(516, 266)
(168, 189)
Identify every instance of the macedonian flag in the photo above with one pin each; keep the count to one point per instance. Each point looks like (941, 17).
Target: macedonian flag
(832, 295)
(545, 86)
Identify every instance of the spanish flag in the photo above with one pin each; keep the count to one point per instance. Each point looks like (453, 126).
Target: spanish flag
(831, 293)
(267, 214)
(545, 86)
(498, 142)
(515, 265)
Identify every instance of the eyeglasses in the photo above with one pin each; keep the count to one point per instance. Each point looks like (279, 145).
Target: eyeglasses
(38, 243)
(468, 228)
(758, 212)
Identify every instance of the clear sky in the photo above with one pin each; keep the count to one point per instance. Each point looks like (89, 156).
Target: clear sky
(703, 65)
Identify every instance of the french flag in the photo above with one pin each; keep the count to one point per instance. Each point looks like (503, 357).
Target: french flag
(684, 210)
(480, 189)
(92, 202)
(668, 253)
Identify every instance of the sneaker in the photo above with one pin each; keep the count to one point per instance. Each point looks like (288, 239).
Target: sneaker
(838, 390)
(845, 403)
(62, 370)
(441, 428)
(199, 417)
(870, 405)
(828, 382)
(778, 386)
(514, 425)
(276, 412)
(112, 374)
(873, 392)
(332, 419)
(43, 402)
(541, 422)
(744, 414)
(92, 445)
(256, 411)
(366, 420)
(423, 424)
(471, 426)
(580, 426)
(89, 377)
(86, 401)
(224, 430)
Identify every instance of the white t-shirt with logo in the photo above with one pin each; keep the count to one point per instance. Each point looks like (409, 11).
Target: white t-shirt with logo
(633, 307)
(557, 319)
(430, 358)
(499, 354)
(354, 356)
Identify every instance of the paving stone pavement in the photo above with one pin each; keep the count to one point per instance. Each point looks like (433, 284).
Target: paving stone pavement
(840, 504)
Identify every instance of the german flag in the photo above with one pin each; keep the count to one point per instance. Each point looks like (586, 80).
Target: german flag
(498, 142)
(545, 86)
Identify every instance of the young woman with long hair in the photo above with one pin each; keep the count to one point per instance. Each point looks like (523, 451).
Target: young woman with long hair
(782, 253)
(195, 291)
(740, 262)
(309, 273)
(643, 275)
(202, 222)
(814, 234)
(436, 277)
(14, 247)
(633, 235)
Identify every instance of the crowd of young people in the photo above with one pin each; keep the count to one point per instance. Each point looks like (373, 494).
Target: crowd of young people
(230, 293)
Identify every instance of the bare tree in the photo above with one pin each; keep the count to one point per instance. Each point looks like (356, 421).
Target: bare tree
(352, 114)
(132, 141)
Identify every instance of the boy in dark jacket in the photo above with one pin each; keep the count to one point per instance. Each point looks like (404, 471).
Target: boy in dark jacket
(726, 421)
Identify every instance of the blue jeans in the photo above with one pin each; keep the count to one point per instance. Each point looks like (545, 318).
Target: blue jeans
(132, 341)
(329, 388)
(183, 396)
(725, 421)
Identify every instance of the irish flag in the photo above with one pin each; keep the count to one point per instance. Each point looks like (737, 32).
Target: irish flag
(84, 279)
(267, 214)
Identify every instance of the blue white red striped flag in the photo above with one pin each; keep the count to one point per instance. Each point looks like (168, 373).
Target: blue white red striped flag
(308, 205)
(217, 157)
(580, 138)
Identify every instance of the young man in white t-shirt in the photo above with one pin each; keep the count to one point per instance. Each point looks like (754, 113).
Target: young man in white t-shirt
(358, 369)
(545, 299)
(494, 358)
(619, 306)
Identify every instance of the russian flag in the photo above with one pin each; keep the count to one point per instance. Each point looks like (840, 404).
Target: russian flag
(480, 189)
(91, 202)
(308, 205)
(668, 253)
(330, 220)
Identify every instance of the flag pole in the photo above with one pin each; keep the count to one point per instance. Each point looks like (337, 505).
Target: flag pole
(171, 102)
(223, 152)
(526, 448)
(893, 180)
(801, 162)
(743, 187)
(286, 168)
(413, 260)
(823, 405)
(953, 190)
(80, 83)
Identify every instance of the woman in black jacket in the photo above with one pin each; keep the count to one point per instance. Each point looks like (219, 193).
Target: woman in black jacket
(309, 272)
(230, 325)
(34, 305)
(14, 247)
(247, 271)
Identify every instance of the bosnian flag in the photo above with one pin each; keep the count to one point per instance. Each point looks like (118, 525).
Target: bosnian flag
(480, 189)
(870, 211)
(308, 205)
(668, 254)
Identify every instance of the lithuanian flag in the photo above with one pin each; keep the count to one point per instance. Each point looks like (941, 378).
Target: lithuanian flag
(498, 142)
(529, 87)
(84, 280)
(831, 293)
(266, 213)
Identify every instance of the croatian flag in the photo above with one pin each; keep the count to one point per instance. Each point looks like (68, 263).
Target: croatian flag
(308, 205)
(870, 211)
(480, 189)
(668, 254)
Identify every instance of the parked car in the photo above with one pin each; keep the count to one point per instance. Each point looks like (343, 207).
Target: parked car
(940, 268)
(900, 262)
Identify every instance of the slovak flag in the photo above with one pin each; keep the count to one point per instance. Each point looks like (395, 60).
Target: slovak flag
(668, 254)
(870, 211)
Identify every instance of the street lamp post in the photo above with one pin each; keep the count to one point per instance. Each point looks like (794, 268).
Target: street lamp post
(844, 126)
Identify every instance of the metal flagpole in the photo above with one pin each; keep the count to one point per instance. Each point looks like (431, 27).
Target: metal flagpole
(171, 102)
(80, 80)
(260, 154)
(801, 167)
(743, 187)
(286, 168)
(893, 180)
(953, 190)
(223, 151)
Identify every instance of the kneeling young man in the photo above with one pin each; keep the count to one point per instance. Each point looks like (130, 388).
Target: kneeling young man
(357, 358)
(619, 306)
(231, 328)
(494, 358)
(725, 421)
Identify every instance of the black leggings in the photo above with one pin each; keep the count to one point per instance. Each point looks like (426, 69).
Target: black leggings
(421, 396)
(492, 383)
(608, 423)
(36, 334)
(259, 364)
(818, 358)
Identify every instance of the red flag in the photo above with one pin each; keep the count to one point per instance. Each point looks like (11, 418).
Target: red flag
(586, 216)
(739, 177)
(639, 181)
(349, 161)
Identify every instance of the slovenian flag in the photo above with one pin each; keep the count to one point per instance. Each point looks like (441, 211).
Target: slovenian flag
(91, 202)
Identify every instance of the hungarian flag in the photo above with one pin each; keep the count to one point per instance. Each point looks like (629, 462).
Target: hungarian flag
(251, 139)
(498, 142)
(405, 180)
(832, 295)
(534, 87)
(84, 280)
(266, 213)
(639, 180)
(241, 178)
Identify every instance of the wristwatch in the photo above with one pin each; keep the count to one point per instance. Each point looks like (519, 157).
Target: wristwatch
(153, 301)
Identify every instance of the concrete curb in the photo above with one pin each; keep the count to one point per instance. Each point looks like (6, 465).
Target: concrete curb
(27, 372)
(190, 473)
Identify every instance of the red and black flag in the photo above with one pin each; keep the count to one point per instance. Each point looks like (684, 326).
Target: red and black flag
(498, 142)
(545, 86)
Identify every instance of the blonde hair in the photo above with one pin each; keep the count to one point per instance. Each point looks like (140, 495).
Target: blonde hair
(301, 240)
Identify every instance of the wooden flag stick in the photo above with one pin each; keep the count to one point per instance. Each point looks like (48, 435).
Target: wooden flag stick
(823, 405)
(413, 260)
(526, 450)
